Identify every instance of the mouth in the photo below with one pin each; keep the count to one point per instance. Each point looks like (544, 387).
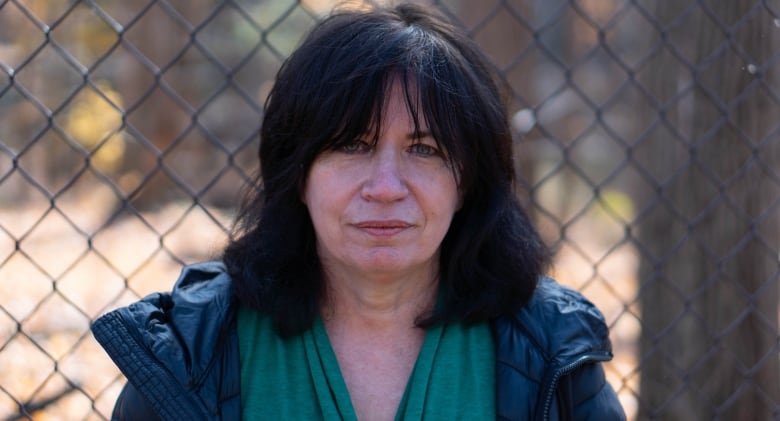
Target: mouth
(383, 228)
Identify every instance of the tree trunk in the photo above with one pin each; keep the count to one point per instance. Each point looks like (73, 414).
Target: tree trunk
(709, 238)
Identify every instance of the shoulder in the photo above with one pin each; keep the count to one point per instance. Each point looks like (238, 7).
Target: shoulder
(203, 289)
(559, 322)
(555, 328)
(202, 280)
(171, 341)
(196, 309)
(199, 302)
(557, 337)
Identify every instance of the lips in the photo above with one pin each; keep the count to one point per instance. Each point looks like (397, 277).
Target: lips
(383, 228)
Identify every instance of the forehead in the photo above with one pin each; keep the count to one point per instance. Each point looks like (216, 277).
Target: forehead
(400, 106)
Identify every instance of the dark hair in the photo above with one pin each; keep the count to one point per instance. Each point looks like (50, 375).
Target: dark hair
(329, 92)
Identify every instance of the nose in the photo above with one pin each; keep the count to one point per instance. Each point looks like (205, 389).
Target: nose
(385, 181)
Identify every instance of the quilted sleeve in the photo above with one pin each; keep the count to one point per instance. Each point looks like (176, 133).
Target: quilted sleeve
(130, 406)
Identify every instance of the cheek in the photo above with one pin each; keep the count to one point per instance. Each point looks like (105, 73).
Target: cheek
(318, 214)
(443, 200)
(324, 199)
(313, 200)
(453, 195)
(312, 187)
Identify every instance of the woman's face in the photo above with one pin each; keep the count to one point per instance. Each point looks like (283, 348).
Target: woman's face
(383, 210)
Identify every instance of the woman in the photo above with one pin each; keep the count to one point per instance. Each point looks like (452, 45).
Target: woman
(383, 268)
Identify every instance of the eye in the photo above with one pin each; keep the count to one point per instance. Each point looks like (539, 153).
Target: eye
(355, 146)
(424, 149)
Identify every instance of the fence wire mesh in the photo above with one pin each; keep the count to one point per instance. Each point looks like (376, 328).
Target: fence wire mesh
(647, 151)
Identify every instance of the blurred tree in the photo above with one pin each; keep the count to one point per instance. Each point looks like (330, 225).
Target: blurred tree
(709, 238)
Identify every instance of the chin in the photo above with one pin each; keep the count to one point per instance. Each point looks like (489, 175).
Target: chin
(385, 265)
(389, 263)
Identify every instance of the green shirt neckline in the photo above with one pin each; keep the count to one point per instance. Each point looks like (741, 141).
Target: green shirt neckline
(299, 377)
(413, 400)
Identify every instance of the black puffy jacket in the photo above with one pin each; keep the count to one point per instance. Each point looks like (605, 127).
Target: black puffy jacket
(179, 352)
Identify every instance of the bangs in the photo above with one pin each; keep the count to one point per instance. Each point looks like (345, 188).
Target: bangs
(344, 80)
(425, 101)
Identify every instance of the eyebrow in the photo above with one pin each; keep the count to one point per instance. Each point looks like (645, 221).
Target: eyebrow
(419, 135)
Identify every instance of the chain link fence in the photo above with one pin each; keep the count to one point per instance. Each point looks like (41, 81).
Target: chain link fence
(647, 152)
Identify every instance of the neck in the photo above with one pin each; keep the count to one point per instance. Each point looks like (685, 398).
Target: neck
(389, 303)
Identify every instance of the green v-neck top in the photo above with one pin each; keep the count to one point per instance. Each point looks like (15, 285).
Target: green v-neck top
(299, 377)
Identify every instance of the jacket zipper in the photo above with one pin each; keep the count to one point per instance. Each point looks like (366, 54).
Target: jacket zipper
(566, 369)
